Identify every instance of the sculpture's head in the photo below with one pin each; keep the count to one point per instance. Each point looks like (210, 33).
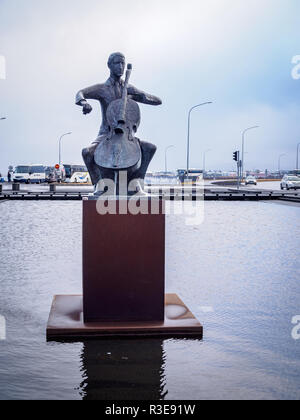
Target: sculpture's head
(116, 64)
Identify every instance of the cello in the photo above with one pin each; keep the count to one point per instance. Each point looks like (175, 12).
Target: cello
(120, 150)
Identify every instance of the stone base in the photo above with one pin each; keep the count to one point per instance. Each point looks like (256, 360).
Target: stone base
(66, 322)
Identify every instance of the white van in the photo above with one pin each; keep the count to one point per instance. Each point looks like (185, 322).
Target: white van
(21, 174)
(81, 178)
(37, 174)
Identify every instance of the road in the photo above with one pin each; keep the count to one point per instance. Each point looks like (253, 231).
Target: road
(261, 186)
(269, 186)
(209, 185)
(44, 188)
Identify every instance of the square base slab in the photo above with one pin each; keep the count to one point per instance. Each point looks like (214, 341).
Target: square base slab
(66, 322)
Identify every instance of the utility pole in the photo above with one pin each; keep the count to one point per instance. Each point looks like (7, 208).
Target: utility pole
(188, 136)
(243, 148)
(297, 161)
(59, 153)
(236, 158)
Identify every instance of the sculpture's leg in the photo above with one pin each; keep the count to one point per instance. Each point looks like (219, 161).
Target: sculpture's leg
(148, 151)
(136, 179)
(93, 168)
(107, 183)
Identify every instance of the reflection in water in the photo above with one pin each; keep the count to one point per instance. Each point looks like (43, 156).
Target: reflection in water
(123, 370)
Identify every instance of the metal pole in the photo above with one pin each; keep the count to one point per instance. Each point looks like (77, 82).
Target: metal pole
(297, 161)
(238, 170)
(60, 139)
(243, 149)
(166, 162)
(188, 139)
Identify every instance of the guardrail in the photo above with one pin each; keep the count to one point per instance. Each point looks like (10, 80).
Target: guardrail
(174, 194)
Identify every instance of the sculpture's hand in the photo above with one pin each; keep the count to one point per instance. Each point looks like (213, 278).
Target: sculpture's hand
(87, 108)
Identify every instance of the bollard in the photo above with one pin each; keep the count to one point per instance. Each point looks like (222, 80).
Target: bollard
(52, 188)
(15, 187)
(194, 188)
(182, 192)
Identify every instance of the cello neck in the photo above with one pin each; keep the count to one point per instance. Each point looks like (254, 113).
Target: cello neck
(128, 74)
(125, 96)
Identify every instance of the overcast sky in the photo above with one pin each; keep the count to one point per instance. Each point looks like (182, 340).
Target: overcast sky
(237, 54)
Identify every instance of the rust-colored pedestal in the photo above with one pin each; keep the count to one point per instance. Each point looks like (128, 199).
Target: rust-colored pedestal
(123, 264)
(123, 281)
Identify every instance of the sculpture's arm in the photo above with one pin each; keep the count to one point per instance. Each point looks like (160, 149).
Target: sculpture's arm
(92, 92)
(143, 97)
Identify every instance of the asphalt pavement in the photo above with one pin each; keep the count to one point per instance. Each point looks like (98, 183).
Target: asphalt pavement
(209, 185)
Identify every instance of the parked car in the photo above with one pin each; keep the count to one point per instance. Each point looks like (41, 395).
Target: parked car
(60, 174)
(290, 182)
(22, 174)
(37, 174)
(251, 180)
(50, 174)
(71, 169)
(80, 178)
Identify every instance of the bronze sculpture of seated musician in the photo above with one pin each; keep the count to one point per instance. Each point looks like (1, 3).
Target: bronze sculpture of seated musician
(116, 147)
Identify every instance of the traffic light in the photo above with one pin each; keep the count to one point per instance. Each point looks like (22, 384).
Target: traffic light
(236, 156)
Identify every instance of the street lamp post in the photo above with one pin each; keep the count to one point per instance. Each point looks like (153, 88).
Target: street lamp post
(166, 157)
(297, 161)
(279, 162)
(188, 139)
(204, 160)
(60, 139)
(243, 147)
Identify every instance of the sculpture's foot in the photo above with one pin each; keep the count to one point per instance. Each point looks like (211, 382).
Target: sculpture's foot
(98, 189)
(136, 189)
(98, 192)
(138, 194)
